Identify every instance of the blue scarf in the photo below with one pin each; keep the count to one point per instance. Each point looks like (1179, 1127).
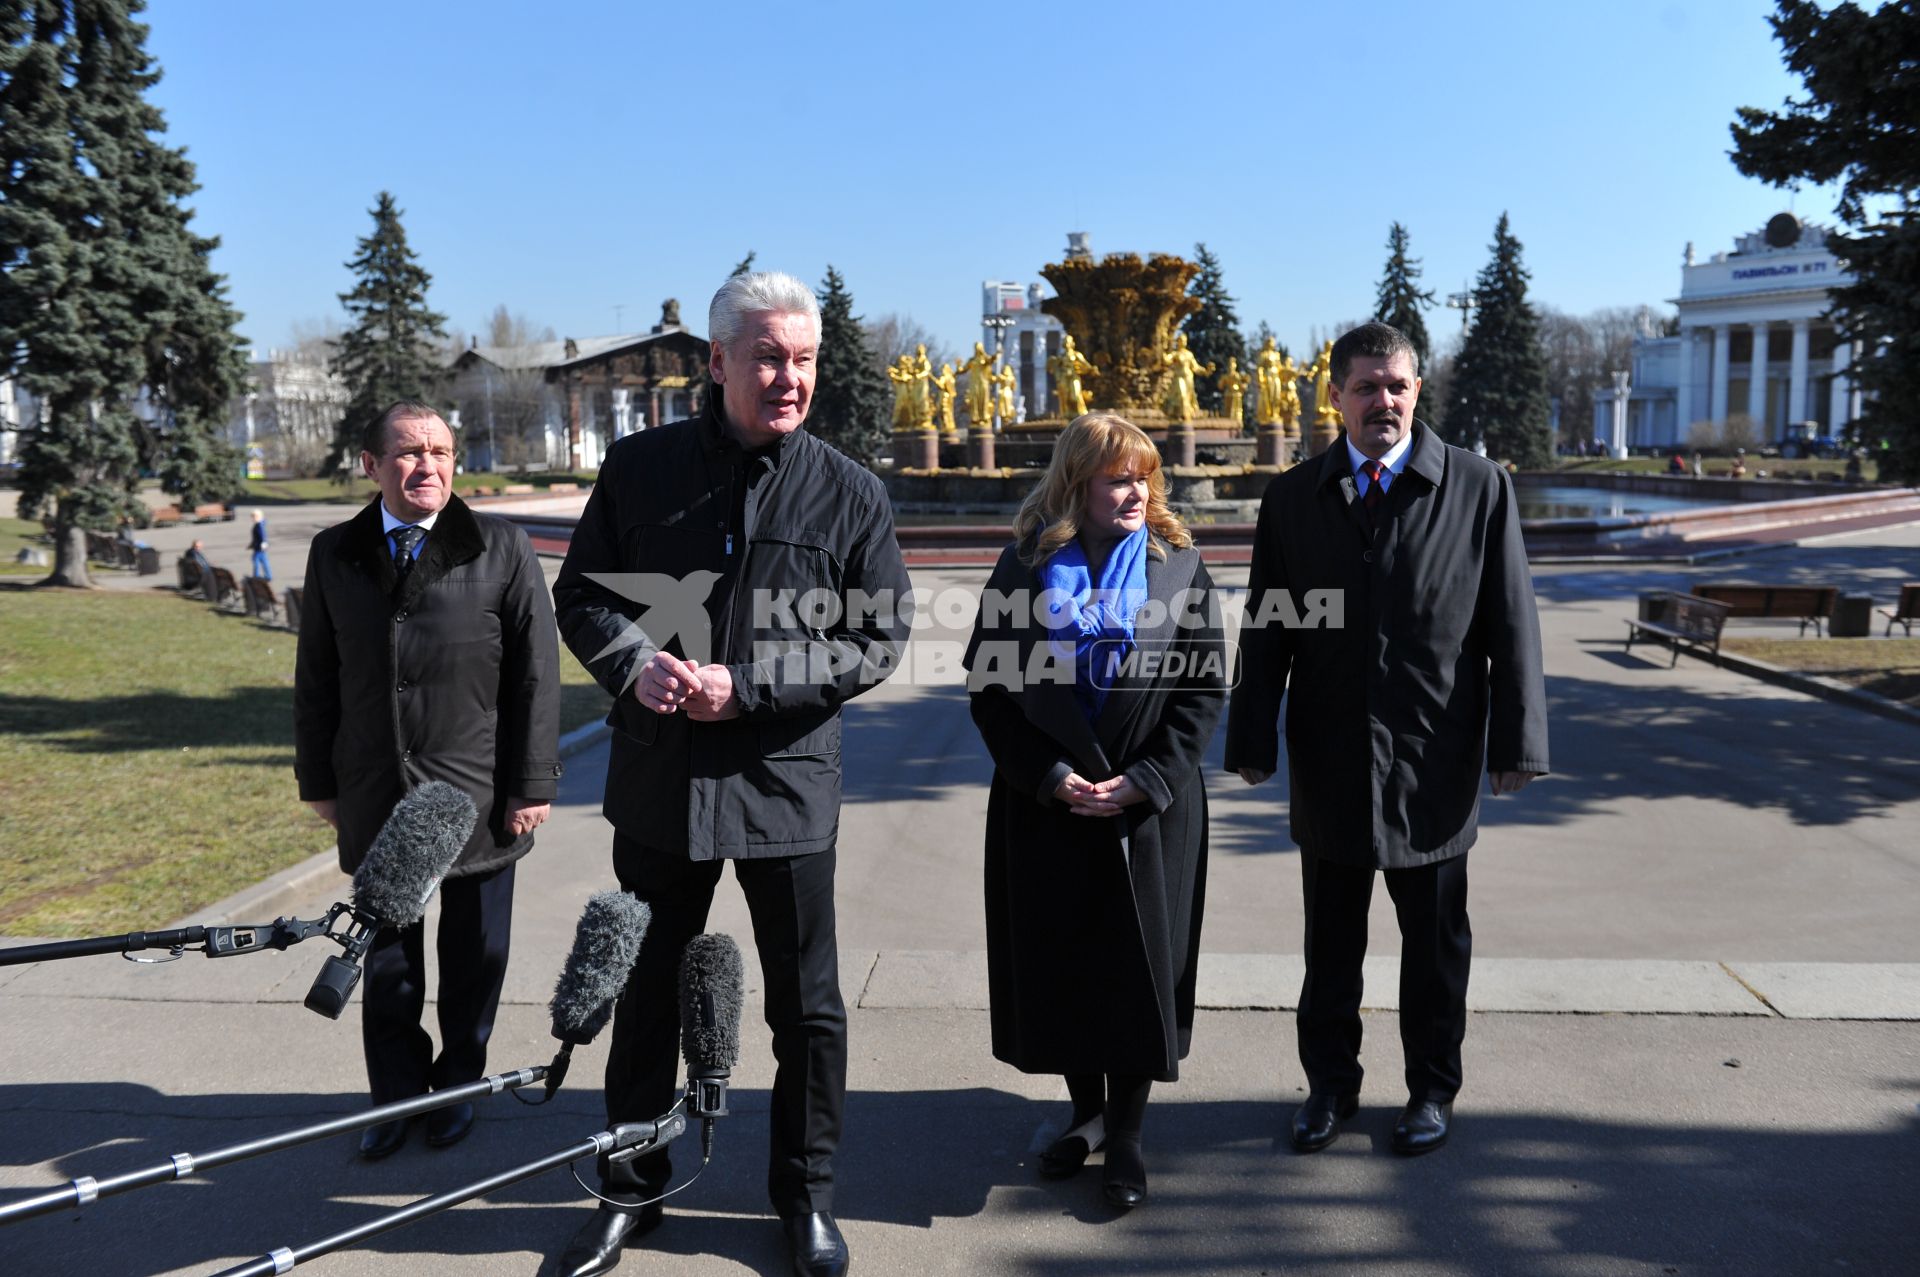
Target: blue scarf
(1094, 618)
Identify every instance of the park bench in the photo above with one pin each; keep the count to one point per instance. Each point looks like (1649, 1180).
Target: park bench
(213, 512)
(295, 597)
(1905, 612)
(261, 604)
(224, 592)
(189, 575)
(1807, 604)
(1680, 619)
(518, 490)
(559, 488)
(165, 516)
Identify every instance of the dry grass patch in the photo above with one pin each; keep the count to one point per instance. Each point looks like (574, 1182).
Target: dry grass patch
(1889, 667)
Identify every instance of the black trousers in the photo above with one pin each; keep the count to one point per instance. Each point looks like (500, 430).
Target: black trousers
(476, 926)
(791, 901)
(1436, 946)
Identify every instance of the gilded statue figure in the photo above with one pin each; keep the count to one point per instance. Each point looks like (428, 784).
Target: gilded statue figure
(1068, 367)
(1324, 413)
(1233, 390)
(1009, 403)
(1274, 375)
(1177, 400)
(980, 374)
(945, 387)
(912, 409)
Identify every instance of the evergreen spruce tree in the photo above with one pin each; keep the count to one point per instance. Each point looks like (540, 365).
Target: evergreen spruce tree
(104, 291)
(1401, 299)
(851, 405)
(1213, 331)
(1859, 125)
(389, 352)
(1499, 380)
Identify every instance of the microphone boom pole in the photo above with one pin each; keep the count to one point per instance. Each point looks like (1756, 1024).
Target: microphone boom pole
(634, 1136)
(84, 1190)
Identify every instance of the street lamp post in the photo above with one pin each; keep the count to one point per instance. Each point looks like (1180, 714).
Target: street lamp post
(997, 322)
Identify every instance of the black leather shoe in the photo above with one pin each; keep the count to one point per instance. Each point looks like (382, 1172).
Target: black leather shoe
(1316, 1123)
(1126, 1175)
(1422, 1127)
(449, 1125)
(382, 1140)
(1065, 1156)
(596, 1247)
(818, 1248)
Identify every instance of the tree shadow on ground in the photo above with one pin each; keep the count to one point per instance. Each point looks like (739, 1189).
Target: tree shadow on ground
(1515, 1193)
(142, 721)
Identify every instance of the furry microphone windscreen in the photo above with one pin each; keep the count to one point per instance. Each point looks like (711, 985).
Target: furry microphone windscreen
(712, 989)
(412, 853)
(605, 945)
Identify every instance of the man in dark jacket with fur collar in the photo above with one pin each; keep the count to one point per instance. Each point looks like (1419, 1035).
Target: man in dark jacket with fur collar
(732, 582)
(428, 652)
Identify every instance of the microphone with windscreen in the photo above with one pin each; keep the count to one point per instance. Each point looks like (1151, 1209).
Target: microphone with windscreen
(712, 989)
(605, 944)
(403, 868)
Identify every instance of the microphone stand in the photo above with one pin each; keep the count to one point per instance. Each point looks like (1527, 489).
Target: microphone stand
(218, 942)
(628, 1140)
(84, 1190)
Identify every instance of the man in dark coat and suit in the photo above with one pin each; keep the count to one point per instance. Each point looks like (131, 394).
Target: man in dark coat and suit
(732, 582)
(1390, 601)
(428, 652)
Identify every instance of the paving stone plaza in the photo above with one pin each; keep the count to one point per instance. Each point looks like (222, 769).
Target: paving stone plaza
(1695, 1045)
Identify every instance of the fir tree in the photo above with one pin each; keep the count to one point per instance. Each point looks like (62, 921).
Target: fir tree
(1401, 299)
(1499, 380)
(1859, 125)
(388, 353)
(1213, 331)
(851, 404)
(104, 291)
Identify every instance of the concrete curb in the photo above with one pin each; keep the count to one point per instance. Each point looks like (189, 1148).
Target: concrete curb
(293, 886)
(1826, 689)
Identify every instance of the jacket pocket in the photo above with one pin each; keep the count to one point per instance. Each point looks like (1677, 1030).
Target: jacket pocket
(634, 721)
(800, 737)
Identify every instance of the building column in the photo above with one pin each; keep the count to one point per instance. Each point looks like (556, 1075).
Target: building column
(1757, 384)
(1617, 436)
(1685, 413)
(1797, 378)
(1840, 405)
(1722, 355)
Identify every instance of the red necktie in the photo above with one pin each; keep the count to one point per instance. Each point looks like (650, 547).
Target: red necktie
(1373, 469)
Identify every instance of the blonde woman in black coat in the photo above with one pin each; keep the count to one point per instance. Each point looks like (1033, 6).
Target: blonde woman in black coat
(1097, 675)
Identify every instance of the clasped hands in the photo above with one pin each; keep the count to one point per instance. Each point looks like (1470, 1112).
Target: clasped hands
(667, 684)
(1084, 797)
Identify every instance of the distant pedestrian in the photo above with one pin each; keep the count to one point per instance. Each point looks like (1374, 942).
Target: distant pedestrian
(257, 542)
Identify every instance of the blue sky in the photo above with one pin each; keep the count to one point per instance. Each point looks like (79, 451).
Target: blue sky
(569, 158)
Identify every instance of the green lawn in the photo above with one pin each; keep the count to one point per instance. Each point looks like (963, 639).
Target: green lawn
(146, 760)
(1889, 666)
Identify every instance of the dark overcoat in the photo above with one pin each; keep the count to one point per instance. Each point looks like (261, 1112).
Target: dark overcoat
(453, 675)
(1413, 672)
(1093, 924)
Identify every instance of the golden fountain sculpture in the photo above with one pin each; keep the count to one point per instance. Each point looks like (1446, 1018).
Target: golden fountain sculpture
(980, 379)
(1123, 314)
(1067, 368)
(1177, 399)
(1233, 390)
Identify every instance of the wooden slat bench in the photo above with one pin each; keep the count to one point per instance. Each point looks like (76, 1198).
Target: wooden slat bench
(224, 592)
(1680, 619)
(1808, 604)
(295, 597)
(1905, 612)
(260, 601)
